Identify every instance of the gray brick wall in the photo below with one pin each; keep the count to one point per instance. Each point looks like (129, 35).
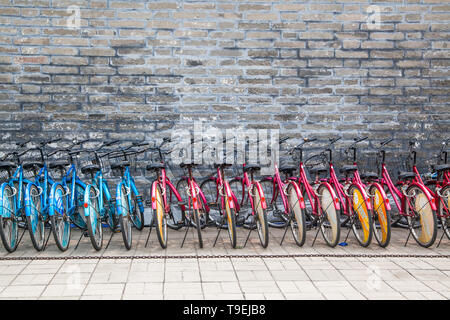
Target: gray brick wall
(137, 69)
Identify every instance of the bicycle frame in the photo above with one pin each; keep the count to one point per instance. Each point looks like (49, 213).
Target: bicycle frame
(312, 196)
(128, 182)
(399, 198)
(194, 192)
(101, 186)
(278, 188)
(247, 183)
(227, 195)
(163, 181)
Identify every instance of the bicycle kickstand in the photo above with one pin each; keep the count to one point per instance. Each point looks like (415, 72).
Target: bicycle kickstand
(46, 241)
(82, 234)
(250, 231)
(220, 229)
(286, 228)
(349, 229)
(442, 237)
(185, 234)
(110, 238)
(149, 233)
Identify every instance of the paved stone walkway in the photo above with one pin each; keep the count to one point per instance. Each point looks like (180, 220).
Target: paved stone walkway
(342, 277)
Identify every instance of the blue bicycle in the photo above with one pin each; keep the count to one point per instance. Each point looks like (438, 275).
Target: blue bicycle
(130, 208)
(99, 205)
(24, 195)
(67, 196)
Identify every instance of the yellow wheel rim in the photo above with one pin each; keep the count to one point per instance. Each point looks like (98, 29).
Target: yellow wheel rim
(380, 208)
(230, 222)
(159, 210)
(359, 206)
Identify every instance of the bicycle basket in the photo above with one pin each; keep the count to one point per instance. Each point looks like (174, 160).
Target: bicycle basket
(120, 158)
(314, 161)
(4, 176)
(368, 161)
(88, 158)
(60, 157)
(32, 162)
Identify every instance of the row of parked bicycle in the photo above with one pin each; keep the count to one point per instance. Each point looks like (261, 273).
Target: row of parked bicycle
(42, 192)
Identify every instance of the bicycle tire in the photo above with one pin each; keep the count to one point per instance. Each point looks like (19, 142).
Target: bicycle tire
(125, 217)
(196, 214)
(60, 221)
(231, 223)
(297, 224)
(427, 217)
(272, 207)
(330, 226)
(364, 221)
(93, 218)
(136, 215)
(381, 217)
(35, 221)
(159, 217)
(262, 226)
(8, 225)
(443, 212)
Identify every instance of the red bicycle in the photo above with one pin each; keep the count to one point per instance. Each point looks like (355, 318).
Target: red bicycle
(293, 205)
(322, 207)
(218, 193)
(161, 200)
(439, 187)
(412, 198)
(355, 203)
(251, 191)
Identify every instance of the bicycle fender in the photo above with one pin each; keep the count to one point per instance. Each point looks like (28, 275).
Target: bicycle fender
(299, 194)
(4, 213)
(194, 197)
(230, 196)
(154, 184)
(336, 202)
(365, 196)
(119, 196)
(27, 198)
(387, 204)
(51, 199)
(87, 200)
(430, 198)
(261, 195)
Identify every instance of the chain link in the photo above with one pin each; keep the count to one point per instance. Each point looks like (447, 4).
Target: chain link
(229, 256)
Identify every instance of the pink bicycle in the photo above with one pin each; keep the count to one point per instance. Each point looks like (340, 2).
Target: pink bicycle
(413, 199)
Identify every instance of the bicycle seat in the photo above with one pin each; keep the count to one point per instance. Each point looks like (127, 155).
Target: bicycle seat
(289, 170)
(120, 165)
(7, 165)
(318, 170)
(222, 165)
(155, 166)
(29, 165)
(402, 175)
(348, 168)
(188, 165)
(59, 164)
(441, 167)
(90, 168)
(251, 168)
(369, 175)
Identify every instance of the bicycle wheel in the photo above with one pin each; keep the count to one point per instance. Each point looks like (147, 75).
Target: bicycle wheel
(274, 212)
(198, 213)
(110, 216)
(444, 209)
(8, 222)
(35, 220)
(209, 189)
(421, 217)
(60, 220)
(178, 218)
(159, 216)
(297, 223)
(330, 226)
(93, 218)
(381, 217)
(77, 217)
(125, 216)
(231, 222)
(261, 218)
(137, 217)
(362, 227)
